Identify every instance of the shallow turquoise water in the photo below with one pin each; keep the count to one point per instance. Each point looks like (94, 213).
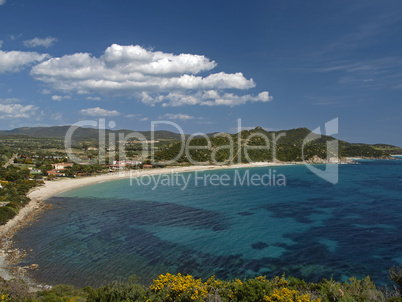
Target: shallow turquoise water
(308, 228)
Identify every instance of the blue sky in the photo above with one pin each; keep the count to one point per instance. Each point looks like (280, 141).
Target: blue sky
(204, 64)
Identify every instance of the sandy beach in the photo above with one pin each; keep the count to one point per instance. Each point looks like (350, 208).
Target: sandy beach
(51, 188)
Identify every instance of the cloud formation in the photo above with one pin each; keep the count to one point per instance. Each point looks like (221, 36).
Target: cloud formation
(93, 98)
(178, 116)
(2, 2)
(13, 61)
(57, 116)
(150, 76)
(205, 98)
(97, 111)
(9, 110)
(38, 42)
(60, 97)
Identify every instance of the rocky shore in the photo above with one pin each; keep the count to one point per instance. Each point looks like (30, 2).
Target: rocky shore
(10, 256)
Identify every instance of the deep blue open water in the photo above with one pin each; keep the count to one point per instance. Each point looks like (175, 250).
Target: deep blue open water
(309, 228)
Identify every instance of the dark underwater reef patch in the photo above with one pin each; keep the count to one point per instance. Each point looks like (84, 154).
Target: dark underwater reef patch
(144, 212)
(300, 211)
(245, 213)
(259, 245)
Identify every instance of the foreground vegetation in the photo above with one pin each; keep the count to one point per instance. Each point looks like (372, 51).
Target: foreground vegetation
(182, 288)
(15, 184)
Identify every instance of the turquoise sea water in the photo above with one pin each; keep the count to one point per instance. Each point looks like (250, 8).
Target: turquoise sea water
(309, 228)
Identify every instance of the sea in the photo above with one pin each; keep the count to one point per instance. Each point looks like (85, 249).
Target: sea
(231, 223)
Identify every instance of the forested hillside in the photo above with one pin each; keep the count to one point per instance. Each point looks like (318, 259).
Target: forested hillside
(260, 145)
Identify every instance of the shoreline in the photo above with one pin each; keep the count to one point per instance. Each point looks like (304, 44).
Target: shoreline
(54, 187)
(37, 205)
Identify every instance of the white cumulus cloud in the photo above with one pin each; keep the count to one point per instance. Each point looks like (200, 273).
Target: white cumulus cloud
(149, 76)
(14, 111)
(206, 98)
(178, 116)
(93, 98)
(10, 101)
(60, 97)
(97, 111)
(137, 59)
(2, 2)
(46, 91)
(38, 42)
(57, 116)
(13, 61)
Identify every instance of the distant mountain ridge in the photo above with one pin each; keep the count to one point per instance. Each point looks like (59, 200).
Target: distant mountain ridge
(82, 134)
(293, 137)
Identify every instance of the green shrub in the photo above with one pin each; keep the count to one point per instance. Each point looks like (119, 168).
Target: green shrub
(395, 274)
(15, 205)
(62, 290)
(250, 290)
(363, 290)
(6, 213)
(15, 290)
(61, 293)
(352, 290)
(117, 291)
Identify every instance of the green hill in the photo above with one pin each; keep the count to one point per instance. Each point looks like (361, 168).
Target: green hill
(261, 145)
(391, 149)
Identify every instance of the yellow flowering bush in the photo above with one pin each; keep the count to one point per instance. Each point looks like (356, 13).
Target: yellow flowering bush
(3, 298)
(179, 288)
(260, 289)
(282, 293)
(288, 295)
